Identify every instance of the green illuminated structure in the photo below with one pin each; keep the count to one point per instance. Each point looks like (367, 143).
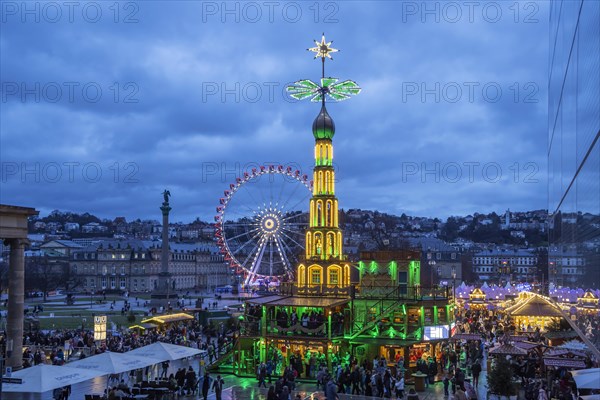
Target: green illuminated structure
(372, 308)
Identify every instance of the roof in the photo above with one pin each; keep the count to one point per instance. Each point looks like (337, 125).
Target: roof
(508, 349)
(528, 345)
(467, 336)
(321, 302)
(264, 300)
(169, 318)
(560, 335)
(564, 362)
(534, 306)
(296, 301)
(144, 326)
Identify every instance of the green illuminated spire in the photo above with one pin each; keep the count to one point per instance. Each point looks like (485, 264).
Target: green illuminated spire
(323, 126)
(330, 88)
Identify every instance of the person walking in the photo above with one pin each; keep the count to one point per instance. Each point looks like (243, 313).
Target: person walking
(399, 386)
(476, 370)
(205, 385)
(262, 375)
(331, 390)
(165, 368)
(217, 387)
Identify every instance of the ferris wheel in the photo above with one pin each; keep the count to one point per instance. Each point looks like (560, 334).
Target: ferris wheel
(260, 223)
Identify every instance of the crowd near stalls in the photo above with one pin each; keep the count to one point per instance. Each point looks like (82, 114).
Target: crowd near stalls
(529, 335)
(60, 346)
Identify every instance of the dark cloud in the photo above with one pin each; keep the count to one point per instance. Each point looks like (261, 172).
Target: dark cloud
(163, 120)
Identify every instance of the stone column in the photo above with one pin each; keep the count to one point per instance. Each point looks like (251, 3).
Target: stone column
(16, 301)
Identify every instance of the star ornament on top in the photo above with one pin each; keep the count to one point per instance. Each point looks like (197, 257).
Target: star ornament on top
(323, 49)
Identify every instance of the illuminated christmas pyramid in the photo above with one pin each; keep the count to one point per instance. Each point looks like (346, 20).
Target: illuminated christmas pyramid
(324, 264)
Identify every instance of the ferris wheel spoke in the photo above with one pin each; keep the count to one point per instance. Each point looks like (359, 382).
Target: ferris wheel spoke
(270, 257)
(292, 239)
(233, 210)
(244, 233)
(234, 225)
(303, 200)
(251, 196)
(258, 258)
(249, 241)
(286, 262)
(252, 253)
(289, 248)
(291, 195)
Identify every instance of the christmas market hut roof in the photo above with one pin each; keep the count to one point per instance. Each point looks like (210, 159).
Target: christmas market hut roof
(169, 318)
(508, 349)
(534, 306)
(561, 335)
(467, 336)
(144, 326)
(564, 362)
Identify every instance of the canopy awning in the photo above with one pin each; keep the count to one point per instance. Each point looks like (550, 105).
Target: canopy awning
(43, 378)
(165, 351)
(113, 363)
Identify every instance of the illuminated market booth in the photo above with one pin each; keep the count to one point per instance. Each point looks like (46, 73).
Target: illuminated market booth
(532, 311)
(478, 300)
(163, 322)
(588, 304)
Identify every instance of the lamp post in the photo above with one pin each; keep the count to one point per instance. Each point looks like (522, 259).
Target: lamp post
(454, 284)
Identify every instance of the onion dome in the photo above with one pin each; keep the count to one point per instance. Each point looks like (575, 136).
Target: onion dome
(323, 126)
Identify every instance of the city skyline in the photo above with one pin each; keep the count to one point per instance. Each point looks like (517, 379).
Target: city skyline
(115, 108)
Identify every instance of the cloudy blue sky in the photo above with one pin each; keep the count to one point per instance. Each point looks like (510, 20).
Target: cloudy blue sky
(105, 104)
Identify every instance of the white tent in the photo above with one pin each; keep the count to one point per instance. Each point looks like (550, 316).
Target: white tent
(165, 351)
(43, 378)
(587, 378)
(113, 363)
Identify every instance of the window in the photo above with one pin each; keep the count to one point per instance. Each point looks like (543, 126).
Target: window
(104, 270)
(114, 270)
(334, 277)
(122, 283)
(103, 282)
(402, 277)
(112, 282)
(315, 276)
(122, 270)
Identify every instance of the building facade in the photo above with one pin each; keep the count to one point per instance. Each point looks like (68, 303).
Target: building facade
(573, 139)
(506, 265)
(134, 266)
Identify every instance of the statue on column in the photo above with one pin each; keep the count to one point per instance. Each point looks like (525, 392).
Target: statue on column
(166, 195)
